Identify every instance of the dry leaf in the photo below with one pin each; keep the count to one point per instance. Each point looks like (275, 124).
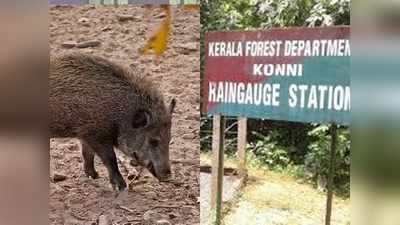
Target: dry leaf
(191, 7)
(158, 42)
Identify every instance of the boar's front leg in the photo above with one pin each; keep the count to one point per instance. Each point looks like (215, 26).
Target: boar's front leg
(104, 149)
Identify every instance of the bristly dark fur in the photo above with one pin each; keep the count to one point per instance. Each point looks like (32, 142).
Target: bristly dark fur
(90, 95)
(106, 105)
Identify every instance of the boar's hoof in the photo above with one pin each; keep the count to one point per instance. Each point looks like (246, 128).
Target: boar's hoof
(91, 173)
(118, 183)
(166, 178)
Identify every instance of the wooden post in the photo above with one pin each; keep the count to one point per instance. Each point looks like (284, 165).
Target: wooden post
(217, 168)
(241, 146)
(333, 132)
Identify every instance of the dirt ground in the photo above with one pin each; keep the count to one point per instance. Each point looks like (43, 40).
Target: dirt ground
(272, 198)
(80, 200)
(231, 187)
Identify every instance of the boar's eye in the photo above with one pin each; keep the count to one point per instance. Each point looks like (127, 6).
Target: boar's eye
(141, 119)
(154, 142)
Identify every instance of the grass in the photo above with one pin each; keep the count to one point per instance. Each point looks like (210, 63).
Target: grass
(206, 158)
(277, 198)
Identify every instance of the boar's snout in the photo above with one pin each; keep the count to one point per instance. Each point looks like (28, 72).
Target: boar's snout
(163, 175)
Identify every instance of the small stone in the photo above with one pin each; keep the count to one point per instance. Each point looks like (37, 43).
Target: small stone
(172, 216)
(147, 215)
(84, 21)
(188, 136)
(190, 46)
(160, 16)
(90, 223)
(151, 215)
(125, 17)
(187, 210)
(186, 49)
(87, 44)
(106, 28)
(103, 220)
(59, 178)
(163, 222)
(69, 44)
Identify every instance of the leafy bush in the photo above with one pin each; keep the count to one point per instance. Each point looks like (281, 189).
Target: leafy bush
(300, 149)
(245, 14)
(318, 158)
(268, 152)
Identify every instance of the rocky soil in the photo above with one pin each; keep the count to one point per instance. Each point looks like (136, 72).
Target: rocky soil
(117, 33)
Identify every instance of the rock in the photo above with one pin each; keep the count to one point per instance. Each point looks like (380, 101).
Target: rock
(62, 6)
(125, 17)
(151, 215)
(58, 178)
(106, 28)
(188, 210)
(172, 216)
(188, 136)
(69, 44)
(192, 117)
(192, 46)
(163, 222)
(186, 49)
(103, 220)
(160, 16)
(84, 21)
(90, 223)
(87, 44)
(147, 215)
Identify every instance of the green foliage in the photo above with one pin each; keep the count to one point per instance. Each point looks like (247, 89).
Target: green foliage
(205, 134)
(247, 14)
(292, 136)
(318, 158)
(297, 148)
(265, 151)
(268, 152)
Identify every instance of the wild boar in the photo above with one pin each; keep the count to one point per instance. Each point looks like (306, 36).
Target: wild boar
(106, 105)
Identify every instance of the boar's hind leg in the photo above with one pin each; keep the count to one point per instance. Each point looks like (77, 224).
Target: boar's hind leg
(107, 155)
(88, 160)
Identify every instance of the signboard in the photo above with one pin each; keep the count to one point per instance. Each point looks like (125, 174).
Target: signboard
(296, 74)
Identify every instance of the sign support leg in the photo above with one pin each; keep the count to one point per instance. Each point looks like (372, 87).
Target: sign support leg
(241, 146)
(333, 132)
(217, 168)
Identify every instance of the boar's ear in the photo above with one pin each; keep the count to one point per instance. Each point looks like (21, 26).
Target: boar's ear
(141, 119)
(172, 106)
